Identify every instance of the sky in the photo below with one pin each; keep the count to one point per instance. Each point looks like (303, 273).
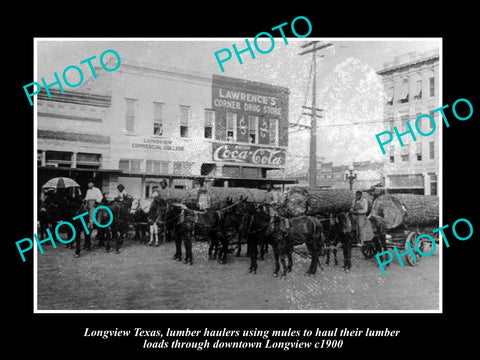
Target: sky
(348, 88)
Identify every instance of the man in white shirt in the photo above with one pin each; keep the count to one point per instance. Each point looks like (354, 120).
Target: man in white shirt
(92, 197)
(93, 193)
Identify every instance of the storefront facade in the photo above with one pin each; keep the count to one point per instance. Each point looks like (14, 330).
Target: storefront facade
(145, 123)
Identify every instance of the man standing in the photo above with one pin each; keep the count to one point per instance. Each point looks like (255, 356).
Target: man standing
(359, 210)
(203, 198)
(379, 232)
(271, 201)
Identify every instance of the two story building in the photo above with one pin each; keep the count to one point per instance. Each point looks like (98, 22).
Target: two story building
(143, 123)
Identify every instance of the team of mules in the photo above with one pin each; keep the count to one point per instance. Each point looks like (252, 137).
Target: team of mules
(239, 222)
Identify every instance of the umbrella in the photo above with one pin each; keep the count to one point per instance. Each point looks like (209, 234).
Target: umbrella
(60, 183)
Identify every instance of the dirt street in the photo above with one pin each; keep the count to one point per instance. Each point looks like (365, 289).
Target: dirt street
(146, 278)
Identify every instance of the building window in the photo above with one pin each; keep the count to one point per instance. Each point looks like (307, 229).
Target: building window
(390, 93)
(128, 165)
(406, 153)
(417, 114)
(184, 120)
(88, 161)
(39, 157)
(182, 168)
(432, 86)
(404, 119)
(250, 172)
(391, 150)
(404, 92)
(431, 146)
(433, 184)
(429, 122)
(417, 95)
(252, 129)
(58, 158)
(131, 106)
(156, 167)
(158, 118)
(231, 126)
(418, 151)
(391, 123)
(209, 121)
(274, 132)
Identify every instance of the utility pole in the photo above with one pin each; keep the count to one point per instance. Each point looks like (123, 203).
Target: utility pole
(312, 169)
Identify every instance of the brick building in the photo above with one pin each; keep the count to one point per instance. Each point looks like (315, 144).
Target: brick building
(411, 83)
(143, 123)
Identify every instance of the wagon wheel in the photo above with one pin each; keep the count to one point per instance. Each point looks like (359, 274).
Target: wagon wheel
(411, 238)
(367, 250)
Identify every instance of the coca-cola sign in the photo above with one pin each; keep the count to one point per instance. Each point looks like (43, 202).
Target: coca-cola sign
(249, 154)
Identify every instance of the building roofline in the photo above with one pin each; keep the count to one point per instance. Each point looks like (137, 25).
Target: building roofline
(77, 97)
(407, 64)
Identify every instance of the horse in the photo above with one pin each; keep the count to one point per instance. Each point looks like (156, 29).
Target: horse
(340, 230)
(238, 220)
(215, 228)
(156, 216)
(256, 222)
(286, 233)
(47, 214)
(139, 213)
(379, 238)
(118, 228)
(79, 229)
(178, 217)
(219, 224)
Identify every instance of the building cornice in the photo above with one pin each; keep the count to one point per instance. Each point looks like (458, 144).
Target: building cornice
(408, 64)
(76, 97)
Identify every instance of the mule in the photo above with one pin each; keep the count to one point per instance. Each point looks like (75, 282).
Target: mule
(288, 233)
(79, 229)
(256, 222)
(182, 229)
(157, 220)
(340, 231)
(139, 214)
(216, 232)
(239, 219)
(118, 228)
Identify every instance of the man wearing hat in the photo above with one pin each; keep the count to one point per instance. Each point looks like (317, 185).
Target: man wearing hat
(163, 191)
(122, 193)
(93, 197)
(359, 210)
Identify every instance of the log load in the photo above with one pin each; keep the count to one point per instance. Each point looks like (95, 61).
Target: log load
(409, 210)
(218, 196)
(315, 201)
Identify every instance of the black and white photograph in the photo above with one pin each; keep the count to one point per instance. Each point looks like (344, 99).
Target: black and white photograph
(218, 180)
(271, 174)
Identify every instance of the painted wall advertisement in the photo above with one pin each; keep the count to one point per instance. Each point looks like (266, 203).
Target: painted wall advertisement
(249, 154)
(155, 144)
(247, 99)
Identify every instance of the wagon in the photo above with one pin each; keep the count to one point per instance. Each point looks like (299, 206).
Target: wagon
(399, 238)
(401, 227)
